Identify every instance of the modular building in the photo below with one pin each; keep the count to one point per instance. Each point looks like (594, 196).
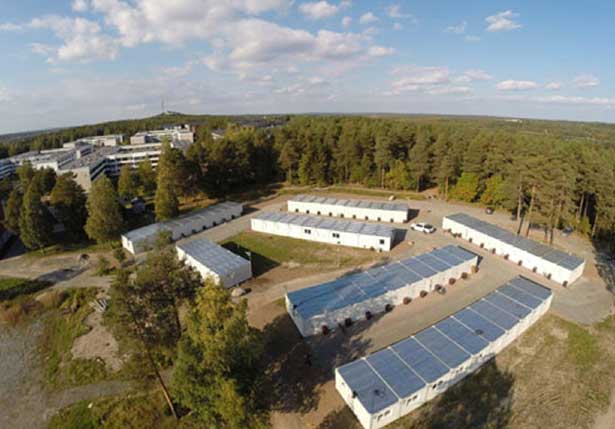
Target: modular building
(394, 381)
(214, 261)
(142, 239)
(323, 307)
(554, 264)
(330, 231)
(380, 211)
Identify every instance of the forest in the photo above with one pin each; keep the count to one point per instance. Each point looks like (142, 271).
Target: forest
(547, 174)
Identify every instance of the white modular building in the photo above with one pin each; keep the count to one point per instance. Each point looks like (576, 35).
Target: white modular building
(563, 268)
(394, 381)
(324, 230)
(358, 296)
(214, 261)
(380, 211)
(143, 238)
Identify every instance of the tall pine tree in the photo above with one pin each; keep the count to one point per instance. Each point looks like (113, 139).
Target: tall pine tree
(68, 199)
(105, 220)
(35, 225)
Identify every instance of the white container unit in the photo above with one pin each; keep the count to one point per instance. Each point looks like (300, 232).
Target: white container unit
(554, 264)
(325, 230)
(142, 239)
(214, 261)
(323, 307)
(380, 211)
(398, 379)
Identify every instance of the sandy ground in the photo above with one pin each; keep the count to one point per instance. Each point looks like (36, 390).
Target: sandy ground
(607, 420)
(98, 343)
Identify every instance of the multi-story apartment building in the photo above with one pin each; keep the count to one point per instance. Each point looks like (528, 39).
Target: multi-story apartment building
(173, 134)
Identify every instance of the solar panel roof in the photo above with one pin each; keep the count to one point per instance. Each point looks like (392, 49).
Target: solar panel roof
(521, 297)
(213, 256)
(380, 205)
(531, 287)
(367, 385)
(500, 300)
(564, 260)
(395, 373)
(338, 225)
(430, 354)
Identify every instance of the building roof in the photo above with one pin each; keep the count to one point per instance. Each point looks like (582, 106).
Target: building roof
(214, 212)
(409, 365)
(370, 284)
(557, 257)
(338, 225)
(375, 205)
(213, 256)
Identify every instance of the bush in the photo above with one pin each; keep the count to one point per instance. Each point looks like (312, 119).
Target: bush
(119, 255)
(104, 266)
(13, 287)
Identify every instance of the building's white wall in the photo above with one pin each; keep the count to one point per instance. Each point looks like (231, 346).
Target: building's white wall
(348, 212)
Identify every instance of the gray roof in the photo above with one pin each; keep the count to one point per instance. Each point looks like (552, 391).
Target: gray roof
(407, 366)
(213, 256)
(337, 225)
(565, 260)
(146, 232)
(376, 205)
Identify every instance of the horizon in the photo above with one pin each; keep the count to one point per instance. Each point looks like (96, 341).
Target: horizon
(91, 61)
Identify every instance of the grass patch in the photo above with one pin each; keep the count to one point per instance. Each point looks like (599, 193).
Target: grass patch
(129, 411)
(270, 251)
(68, 248)
(11, 288)
(62, 327)
(583, 348)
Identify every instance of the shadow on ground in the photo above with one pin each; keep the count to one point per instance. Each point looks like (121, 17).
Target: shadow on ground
(294, 373)
(605, 264)
(260, 264)
(62, 275)
(482, 400)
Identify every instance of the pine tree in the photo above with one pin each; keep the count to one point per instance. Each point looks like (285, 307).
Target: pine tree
(34, 221)
(169, 183)
(13, 209)
(146, 177)
(466, 188)
(104, 221)
(217, 368)
(69, 200)
(127, 183)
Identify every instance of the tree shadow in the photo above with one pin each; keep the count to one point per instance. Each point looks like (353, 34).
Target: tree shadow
(399, 237)
(295, 367)
(605, 264)
(260, 263)
(62, 274)
(482, 400)
(413, 214)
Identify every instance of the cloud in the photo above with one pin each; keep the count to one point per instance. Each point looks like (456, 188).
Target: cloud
(426, 80)
(368, 18)
(81, 38)
(457, 29)
(473, 75)
(9, 26)
(346, 21)
(318, 10)
(503, 21)
(394, 11)
(80, 5)
(472, 38)
(445, 90)
(579, 101)
(380, 51)
(553, 86)
(516, 85)
(586, 81)
(397, 26)
(5, 96)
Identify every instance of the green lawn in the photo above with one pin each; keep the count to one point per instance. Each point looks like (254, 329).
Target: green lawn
(12, 287)
(269, 251)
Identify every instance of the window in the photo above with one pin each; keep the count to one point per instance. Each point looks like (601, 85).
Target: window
(354, 216)
(296, 210)
(336, 235)
(381, 241)
(366, 217)
(318, 212)
(392, 220)
(307, 211)
(307, 231)
(379, 219)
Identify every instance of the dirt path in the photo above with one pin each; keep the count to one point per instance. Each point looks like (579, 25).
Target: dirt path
(607, 420)
(24, 402)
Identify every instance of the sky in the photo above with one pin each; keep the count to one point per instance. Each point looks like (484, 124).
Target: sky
(71, 62)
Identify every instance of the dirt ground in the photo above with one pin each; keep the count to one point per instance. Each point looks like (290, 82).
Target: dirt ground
(98, 343)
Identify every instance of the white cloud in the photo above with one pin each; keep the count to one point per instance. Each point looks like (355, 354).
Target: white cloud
(470, 38)
(346, 21)
(427, 80)
(516, 85)
(318, 10)
(368, 18)
(80, 5)
(81, 38)
(9, 26)
(394, 11)
(553, 86)
(397, 26)
(380, 51)
(586, 81)
(503, 21)
(473, 75)
(5, 96)
(370, 32)
(444, 90)
(457, 29)
(579, 101)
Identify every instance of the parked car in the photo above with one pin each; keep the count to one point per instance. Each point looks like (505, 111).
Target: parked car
(423, 227)
(489, 210)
